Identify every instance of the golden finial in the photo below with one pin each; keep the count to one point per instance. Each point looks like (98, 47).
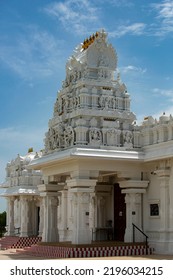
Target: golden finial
(88, 41)
(30, 150)
(93, 37)
(83, 45)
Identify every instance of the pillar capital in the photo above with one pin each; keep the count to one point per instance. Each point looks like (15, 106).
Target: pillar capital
(11, 198)
(163, 173)
(133, 186)
(80, 182)
(47, 188)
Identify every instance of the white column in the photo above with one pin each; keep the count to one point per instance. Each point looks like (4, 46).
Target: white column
(133, 190)
(50, 230)
(92, 211)
(81, 231)
(24, 216)
(64, 210)
(81, 189)
(11, 216)
(164, 177)
(49, 194)
(133, 215)
(165, 242)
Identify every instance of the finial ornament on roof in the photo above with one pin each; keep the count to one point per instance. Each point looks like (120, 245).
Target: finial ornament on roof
(30, 150)
(88, 41)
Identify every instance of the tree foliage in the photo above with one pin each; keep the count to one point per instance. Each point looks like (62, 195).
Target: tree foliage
(2, 223)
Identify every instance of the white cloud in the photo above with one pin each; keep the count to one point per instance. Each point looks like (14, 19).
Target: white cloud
(164, 17)
(168, 100)
(117, 3)
(132, 69)
(75, 15)
(132, 29)
(33, 55)
(167, 111)
(20, 138)
(164, 92)
(165, 10)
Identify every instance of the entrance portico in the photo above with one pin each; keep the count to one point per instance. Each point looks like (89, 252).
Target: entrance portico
(78, 199)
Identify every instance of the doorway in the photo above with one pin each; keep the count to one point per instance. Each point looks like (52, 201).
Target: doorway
(119, 214)
(37, 220)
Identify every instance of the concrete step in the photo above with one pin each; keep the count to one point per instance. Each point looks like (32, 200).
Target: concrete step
(48, 251)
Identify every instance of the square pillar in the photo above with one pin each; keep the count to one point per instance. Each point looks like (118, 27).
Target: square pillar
(166, 241)
(133, 190)
(164, 178)
(24, 208)
(81, 191)
(50, 230)
(63, 215)
(81, 233)
(10, 216)
(133, 215)
(49, 194)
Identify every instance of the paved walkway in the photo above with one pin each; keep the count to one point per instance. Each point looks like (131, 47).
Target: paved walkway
(11, 254)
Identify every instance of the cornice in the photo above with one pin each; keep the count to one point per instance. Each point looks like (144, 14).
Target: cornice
(158, 151)
(77, 153)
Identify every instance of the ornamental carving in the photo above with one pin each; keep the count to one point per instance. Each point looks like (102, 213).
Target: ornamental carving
(91, 101)
(69, 136)
(128, 137)
(112, 137)
(108, 102)
(95, 136)
(84, 198)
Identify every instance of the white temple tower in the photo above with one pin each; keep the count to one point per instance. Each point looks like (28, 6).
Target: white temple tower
(92, 108)
(92, 124)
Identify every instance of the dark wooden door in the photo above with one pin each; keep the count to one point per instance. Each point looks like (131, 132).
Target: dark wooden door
(119, 214)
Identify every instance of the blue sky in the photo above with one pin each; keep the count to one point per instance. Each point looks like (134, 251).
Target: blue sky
(36, 39)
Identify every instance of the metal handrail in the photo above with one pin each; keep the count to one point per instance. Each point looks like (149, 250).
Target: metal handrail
(146, 236)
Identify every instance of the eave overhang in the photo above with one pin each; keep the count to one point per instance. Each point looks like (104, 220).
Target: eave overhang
(79, 153)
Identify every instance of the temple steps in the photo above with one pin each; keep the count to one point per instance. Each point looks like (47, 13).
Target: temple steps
(66, 250)
(15, 242)
(34, 247)
(7, 242)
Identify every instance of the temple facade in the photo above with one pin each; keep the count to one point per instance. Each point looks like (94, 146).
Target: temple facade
(99, 173)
